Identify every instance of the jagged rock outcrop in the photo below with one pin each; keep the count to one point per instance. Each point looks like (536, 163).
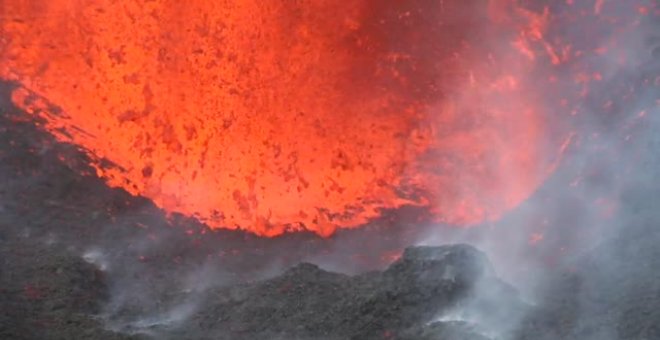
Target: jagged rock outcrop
(307, 302)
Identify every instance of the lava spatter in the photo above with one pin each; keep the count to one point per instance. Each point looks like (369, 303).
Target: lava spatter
(275, 116)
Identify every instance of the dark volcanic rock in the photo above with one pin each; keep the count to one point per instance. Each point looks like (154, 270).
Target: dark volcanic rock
(462, 265)
(49, 293)
(307, 302)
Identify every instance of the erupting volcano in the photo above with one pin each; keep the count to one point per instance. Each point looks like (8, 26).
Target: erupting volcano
(323, 169)
(275, 116)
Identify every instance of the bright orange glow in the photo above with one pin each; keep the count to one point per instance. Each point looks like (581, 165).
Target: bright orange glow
(274, 116)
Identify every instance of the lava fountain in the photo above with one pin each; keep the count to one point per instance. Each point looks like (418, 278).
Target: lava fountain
(274, 116)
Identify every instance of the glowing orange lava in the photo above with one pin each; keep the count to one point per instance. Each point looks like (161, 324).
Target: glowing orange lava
(274, 116)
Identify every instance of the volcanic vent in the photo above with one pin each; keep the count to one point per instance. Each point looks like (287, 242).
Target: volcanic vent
(315, 115)
(163, 163)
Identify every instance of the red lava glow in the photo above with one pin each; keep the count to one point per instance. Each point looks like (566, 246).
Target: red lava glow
(274, 116)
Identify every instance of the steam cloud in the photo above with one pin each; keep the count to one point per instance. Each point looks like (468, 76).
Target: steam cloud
(583, 215)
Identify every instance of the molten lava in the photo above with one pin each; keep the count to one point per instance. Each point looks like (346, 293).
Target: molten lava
(274, 116)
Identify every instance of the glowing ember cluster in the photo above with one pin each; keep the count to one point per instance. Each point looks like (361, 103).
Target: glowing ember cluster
(275, 116)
